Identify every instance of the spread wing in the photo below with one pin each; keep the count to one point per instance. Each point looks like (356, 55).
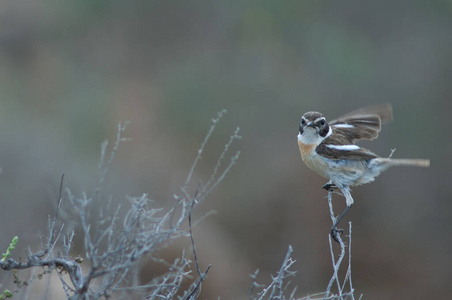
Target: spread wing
(364, 123)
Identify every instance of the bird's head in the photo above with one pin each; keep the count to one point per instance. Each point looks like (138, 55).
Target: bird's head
(313, 128)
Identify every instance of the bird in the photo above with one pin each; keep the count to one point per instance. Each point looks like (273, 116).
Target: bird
(329, 149)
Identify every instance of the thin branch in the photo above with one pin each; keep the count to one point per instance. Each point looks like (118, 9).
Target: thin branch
(392, 152)
(254, 284)
(201, 276)
(284, 272)
(55, 217)
(276, 285)
(337, 263)
(221, 157)
(119, 139)
(206, 139)
(348, 274)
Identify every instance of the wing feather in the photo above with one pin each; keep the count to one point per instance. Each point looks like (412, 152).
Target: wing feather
(333, 153)
(364, 123)
(384, 111)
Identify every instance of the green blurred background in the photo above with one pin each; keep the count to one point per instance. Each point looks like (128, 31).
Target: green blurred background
(71, 70)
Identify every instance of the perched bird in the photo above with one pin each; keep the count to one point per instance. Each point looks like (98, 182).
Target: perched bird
(329, 149)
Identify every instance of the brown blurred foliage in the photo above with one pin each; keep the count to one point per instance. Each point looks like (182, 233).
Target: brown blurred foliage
(71, 70)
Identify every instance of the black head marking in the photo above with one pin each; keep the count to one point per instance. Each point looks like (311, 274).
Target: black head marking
(300, 129)
(324, 129)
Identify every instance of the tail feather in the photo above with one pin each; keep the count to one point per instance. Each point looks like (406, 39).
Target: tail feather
(405, 162)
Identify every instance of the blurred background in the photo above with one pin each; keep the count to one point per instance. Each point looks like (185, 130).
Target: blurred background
(70, 71)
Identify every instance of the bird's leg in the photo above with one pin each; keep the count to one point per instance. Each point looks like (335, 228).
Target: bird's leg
(329, 186)
(334, 230)
(349, 200)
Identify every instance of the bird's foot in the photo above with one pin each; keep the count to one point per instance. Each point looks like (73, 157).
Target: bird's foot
(329, 186)
(336, 233)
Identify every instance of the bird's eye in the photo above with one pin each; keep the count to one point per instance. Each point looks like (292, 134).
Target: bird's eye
(322, 122)
(303, 122)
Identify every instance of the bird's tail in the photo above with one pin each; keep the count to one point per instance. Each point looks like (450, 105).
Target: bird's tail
(404, 162)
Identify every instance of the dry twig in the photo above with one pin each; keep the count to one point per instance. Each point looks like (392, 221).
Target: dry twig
(115, 246)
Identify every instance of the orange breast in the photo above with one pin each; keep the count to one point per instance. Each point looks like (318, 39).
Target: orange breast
(305, 150)
(312, 159)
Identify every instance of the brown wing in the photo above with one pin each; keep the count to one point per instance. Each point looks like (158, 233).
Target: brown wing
(384, 111)
(340, 145)
(364, 123)
(332, 153)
